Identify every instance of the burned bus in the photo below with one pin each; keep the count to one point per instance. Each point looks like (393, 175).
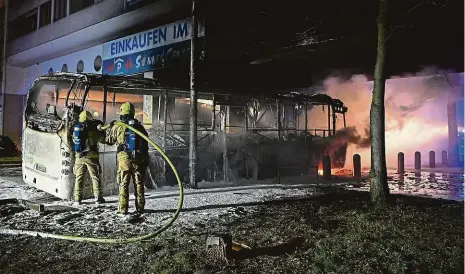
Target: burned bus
(251, 137)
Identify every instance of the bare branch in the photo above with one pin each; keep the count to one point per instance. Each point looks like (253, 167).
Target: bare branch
(417, 6)
(435, 2)
(392, 31)
(446, 76)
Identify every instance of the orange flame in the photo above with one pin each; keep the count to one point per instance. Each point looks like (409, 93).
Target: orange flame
(416, 114)
(335, 171)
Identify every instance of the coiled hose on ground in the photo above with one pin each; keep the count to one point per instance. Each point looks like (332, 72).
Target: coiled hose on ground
(119, 240)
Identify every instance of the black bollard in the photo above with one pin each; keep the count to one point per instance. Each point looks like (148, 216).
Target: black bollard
(400, 163)
(326, 167)
(417, 160)
(444, 158)
(432, 159)
(357, 166)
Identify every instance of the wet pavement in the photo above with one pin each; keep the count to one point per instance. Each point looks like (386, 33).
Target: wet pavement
(445, 184)
(437, 184)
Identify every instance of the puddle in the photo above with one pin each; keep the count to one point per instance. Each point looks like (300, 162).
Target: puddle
(438, 185)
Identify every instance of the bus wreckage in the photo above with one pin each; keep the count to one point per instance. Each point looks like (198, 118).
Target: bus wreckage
(239, 137)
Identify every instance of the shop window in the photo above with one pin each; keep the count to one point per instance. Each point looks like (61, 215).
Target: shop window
(22, 25)
(61, 7)
(45, 14)
(80, 66)
(64, 68)
(77, 5)
(178, 112)
(115, 100)
(98, 63)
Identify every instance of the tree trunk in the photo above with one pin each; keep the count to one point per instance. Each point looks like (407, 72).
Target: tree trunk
(379, 189)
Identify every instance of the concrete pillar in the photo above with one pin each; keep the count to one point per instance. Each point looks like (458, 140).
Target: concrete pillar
(193, 102)
(444, 158)
(68, 7)
(38, 17)
(223, 128)
(150, 104)
(227, 117)
(432, 159)
(357, 166)
(52, 11)
(4, 67)
(417, 160)
(278, 159)
(326, 167)
(400, 163)
(149, 107)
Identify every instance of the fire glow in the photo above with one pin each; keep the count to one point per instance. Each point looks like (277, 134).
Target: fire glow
(336, 171)
(416, 115)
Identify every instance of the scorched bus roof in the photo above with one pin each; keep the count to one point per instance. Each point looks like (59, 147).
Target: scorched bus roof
(112, 81)
(131, 84)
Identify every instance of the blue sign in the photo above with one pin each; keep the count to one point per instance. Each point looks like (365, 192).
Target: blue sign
(160, 47)
(161, 57)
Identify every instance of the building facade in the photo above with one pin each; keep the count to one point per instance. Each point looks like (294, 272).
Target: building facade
(115, 37)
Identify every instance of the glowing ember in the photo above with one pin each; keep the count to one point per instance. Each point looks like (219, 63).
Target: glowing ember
(337, 172)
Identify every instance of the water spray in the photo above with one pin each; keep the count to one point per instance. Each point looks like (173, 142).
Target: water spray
(117, 240)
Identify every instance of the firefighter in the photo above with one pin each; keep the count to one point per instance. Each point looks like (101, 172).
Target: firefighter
(132, 158)
(86, 137)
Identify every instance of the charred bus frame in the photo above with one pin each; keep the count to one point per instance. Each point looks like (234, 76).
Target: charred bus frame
(214, 162)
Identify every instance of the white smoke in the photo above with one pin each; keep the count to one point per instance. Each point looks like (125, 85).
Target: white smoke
(416, 112)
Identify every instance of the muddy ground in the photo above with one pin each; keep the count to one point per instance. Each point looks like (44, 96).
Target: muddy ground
(332, 231)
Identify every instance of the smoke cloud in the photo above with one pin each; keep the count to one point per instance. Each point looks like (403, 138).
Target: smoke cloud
(351, 136)
(416, 113)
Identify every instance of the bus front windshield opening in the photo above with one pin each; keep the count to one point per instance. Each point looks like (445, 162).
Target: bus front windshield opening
(48, 97)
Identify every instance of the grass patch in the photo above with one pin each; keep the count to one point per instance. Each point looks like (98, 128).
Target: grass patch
(337, 232)
(344, 234)
(177, 263)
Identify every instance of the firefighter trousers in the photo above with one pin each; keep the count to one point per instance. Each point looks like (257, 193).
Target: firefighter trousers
(127, 170)
(81, 166)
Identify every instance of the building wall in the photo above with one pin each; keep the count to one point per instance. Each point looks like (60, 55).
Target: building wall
(15, 91)
(89, 27)
(80, 20)
(71, 60)
(77, 37)
(21, 7)
(15, 80)
(14, 105)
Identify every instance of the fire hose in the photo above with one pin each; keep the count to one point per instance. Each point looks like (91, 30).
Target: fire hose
(117, 240)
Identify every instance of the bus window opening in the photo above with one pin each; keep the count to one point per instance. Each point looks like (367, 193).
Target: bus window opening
(47, 98)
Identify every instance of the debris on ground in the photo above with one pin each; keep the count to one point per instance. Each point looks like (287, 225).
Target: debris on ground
(289, 229)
